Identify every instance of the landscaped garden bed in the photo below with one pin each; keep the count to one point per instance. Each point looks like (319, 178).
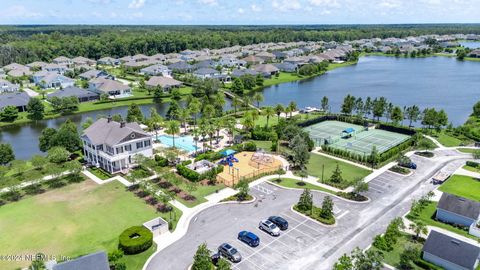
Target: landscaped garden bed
(426, 154)
(100, 173)
(399, 169)
(323, 214)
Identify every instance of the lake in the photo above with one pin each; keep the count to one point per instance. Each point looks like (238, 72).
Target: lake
(470, 44)
(440, 82)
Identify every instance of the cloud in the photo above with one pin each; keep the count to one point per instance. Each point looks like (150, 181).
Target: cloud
(255, 8)
(19, 11)
(390, 4)
(100, 1)
(286, 5)
(241, 10)
(137, 15)
(324, 3)
(136, 4)
(208, 2)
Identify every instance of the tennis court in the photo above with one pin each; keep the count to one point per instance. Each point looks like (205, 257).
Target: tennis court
(361, 141)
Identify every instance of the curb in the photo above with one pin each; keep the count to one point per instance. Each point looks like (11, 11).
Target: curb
(321, 191)
(316, 221)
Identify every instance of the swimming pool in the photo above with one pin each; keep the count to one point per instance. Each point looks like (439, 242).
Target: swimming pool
(183, 142)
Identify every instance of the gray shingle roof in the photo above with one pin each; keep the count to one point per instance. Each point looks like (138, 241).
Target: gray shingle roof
(94, 261)
(107, 85)
(73, 91)
(110, 133)
(451, 249)
(15, 99)
(459, 206)
(163, 82)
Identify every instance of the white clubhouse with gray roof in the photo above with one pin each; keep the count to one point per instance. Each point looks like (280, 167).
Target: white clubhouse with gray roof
(113, 146)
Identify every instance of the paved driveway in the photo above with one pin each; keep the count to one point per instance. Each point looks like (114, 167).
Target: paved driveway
(306, 244)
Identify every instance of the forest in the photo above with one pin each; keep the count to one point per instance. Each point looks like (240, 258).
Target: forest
(28, 43)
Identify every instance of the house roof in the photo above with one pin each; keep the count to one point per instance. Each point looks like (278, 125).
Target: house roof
(13, 66)
(72, 91)
(107, 85)
(180, 66)
(154, 68)
(61, 59)
(94, 261)
(90, 74)
(163, 82)
(451, 249)
(268, 68)
(459, 205)
(111, 132)
(241, 72)
(15, 99)
(206, 71)
(19, 72)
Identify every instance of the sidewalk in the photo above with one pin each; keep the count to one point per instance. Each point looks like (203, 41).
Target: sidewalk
(462, 171)
(25, 184)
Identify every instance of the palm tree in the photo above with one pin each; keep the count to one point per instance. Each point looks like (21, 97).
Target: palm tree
(155, 121)
(172, 128)
(219, 100)
(278, 110)
(208, 111)
(195, 139)
(258, 97)
(183, 116)
(248, 122)
(235, 103)
(292, 106)
(210, 129)
(246, 101)
(287, 111)
(418, 228)
(217, 124)
(194, 108)
(229, 123)
(268, 112)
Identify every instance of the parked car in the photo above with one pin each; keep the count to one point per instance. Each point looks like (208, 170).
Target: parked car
(229, 252)
(215, 257)
(249, 238)
(407, 163)
(269, 227)
(280, 222)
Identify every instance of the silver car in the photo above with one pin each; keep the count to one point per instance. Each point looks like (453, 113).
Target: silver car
(269, 227)
(229, 252)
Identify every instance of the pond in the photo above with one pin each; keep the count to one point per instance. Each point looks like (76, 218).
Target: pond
(440, 82)
(470, 44)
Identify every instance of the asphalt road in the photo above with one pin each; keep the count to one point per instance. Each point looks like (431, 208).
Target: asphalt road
(306, 244)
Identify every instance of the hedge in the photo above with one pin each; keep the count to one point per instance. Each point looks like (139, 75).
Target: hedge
(135, 240)
(473, 164)
(195, 176)
(161, 161)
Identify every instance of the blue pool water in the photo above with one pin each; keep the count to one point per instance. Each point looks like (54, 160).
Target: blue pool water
(184, 142)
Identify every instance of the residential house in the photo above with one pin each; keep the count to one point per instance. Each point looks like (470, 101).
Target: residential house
(36, 65)
(55, 68)
(267, 70)
(206, 64)
(241, 72)
(279, 55)
(298, 61)
(83, 95)
(94, 261)
(231, 61)
(17, 73)
(266, 56)
(109, 87)
(47, 79)
(140, 58)
(113, 146)
(8, 87)
(2, 73)
(108, 61)
(286, 67)
(457, 210)
(204, 73)
(17, 99)
(166, 83)
(450, 253)
(13, 66)
(80, 60)
(181, 67)
(474, 53)
(253, 60)
(93, 74)
(157, 69)
(62, 60)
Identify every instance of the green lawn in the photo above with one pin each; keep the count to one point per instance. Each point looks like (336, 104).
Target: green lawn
(265, 145)
(393, 257)
(426, 216)
(72, 221)
(472, 169)
(293, 183)
(136, 262)
(467, 150)
(463, 186)
(349, 172)
(447, 140)
(100, 173)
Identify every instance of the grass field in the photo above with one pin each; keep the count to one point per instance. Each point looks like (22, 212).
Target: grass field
(447, 140)
(472, 169)
(71, 221)
(463, 186)
(349, 172)
(467, 150)
(293, 183)
(393, 257)
(426, 217)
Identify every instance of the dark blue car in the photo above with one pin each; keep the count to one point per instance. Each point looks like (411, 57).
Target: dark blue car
(280, 222)
(249, 238)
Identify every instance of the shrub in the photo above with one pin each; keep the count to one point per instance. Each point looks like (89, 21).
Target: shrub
(210, 155)
(188, 173)
(133, 187)
(424, 154)
(151, 201)
(33, 189)
(135, 240)
(175, 190)
(165, 184)
(142, 193)
(161, 161)
(55, 183)
(189, 197)
(263, 135)
(12, 195)
(186, 162)
(2, 203)
(473, 164)
(426, 265)
(250, 146)
(380, 243)
(399, 169)
(164, 208)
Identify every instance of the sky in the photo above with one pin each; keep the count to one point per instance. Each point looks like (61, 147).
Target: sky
(234, 12)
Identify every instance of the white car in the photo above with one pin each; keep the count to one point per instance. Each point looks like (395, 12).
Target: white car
(269, 227)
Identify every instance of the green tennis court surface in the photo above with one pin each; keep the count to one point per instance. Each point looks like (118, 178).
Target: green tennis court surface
(361, 142)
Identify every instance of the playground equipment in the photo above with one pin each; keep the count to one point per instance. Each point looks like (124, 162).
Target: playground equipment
(261, 158)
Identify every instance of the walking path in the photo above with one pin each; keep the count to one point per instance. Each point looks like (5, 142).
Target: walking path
(29, 183)
(462, 171)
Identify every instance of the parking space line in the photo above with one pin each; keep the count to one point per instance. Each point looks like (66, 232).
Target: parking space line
(377, 190)
(343, 214)
(307, 235)
(282, 255)
(291, 217)
(310, 227)
(375, 184)
(257, 251)
(250, 261)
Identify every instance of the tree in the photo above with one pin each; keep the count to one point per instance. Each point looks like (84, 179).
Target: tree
(369, 260)
(243, 189)
(300, 153)
(279, 109)
(343, 263)
(348, 104)
(58, 154)
(45, 139)
(410, 254)
(67, 137)
(327, 208)
(292, 106)
(87, 123)
(223, 264)
(38, 162)
(258, 97)
(38, 263)
(9, 113)
(259, 80)
(461, 54)
(379, 107)
(418, 228)
(268, 112)
(176, 95)
(236, 102)
(360, 186)
(134, 114)
(172, 128)
(202, 260)
(247, 121)
(397, 115)
(336, 175)
(413, 114)
(6, 154)
(373, 157)
(194, 108)
(324, 104)
(237, 86)
(305, 203)
(183, 117)
(476, 109)
(35, 109)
